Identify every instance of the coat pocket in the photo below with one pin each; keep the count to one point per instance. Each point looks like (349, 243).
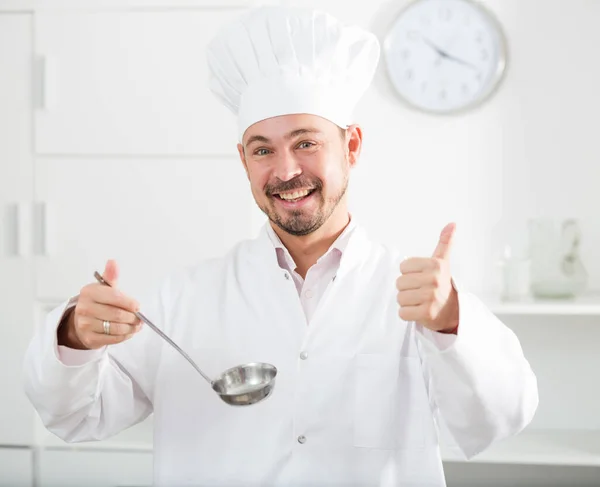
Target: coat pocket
(389, 402)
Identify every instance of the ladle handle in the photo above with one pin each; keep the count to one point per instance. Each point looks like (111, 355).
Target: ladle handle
(159, 332)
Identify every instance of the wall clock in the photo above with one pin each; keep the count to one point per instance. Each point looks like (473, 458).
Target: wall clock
(445, 56)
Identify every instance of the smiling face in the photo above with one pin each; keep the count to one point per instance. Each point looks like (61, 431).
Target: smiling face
(298, 167)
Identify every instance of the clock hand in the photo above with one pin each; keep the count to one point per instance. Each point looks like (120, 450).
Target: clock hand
(460, 61)
(434, 47)
(445, 55)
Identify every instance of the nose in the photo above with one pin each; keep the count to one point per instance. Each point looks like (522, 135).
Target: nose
(286, 167)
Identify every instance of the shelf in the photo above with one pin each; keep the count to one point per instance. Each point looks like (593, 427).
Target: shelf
(585, 305)
(565, 448)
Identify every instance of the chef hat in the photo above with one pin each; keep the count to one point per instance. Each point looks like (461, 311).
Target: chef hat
(282, 60)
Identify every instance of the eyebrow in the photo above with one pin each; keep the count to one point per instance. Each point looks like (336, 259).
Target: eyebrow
(292, 135)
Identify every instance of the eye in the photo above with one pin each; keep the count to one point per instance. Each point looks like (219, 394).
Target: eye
(305, 145)
(261, 152)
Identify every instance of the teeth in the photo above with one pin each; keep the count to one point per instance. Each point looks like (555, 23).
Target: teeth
(294, 195)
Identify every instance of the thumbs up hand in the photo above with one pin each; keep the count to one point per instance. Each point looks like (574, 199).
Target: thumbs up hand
(425, 292)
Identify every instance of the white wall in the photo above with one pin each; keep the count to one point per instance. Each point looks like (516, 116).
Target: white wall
(531, 150)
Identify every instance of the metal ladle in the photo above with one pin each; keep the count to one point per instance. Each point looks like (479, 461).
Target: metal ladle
(239, 386)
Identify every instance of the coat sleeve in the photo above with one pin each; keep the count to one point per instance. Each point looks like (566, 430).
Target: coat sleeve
(479, 381)
(93, 395)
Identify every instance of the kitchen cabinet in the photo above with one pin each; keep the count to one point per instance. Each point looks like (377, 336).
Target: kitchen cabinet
(75, 468)
(63, 215)
(16, 467)
(151, 215)
(129, 82)
(16, 225)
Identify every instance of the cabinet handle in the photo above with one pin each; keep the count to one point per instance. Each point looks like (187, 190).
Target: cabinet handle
(22, 223)
(45, 227)
(46, 86)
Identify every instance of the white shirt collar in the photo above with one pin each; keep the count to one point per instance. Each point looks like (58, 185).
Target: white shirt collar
(338, 246)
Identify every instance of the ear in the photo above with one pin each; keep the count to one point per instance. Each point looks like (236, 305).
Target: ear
(353, 144)
(242, 154)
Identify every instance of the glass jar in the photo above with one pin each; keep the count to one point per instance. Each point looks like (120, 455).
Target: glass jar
(556, 267)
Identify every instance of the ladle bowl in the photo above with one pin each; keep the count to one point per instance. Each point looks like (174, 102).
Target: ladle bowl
(246, 384)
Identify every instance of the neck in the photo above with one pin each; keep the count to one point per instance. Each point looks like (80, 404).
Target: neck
(307, 249)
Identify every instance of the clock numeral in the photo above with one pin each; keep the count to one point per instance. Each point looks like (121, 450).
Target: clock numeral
(479, 77)
(484, 55)
(479, 37)
(405, 54)
(423, 85)
(413, 35)
(409, 74)
(443, 95)
(467, 20)
(464, 89)
(425, 21)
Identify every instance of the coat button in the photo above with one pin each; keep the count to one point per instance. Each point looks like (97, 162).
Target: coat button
(303, 355)
(302, 439)
(287, 276)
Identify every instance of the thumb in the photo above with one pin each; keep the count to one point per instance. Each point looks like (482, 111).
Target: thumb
(442, 251)
(111, 272)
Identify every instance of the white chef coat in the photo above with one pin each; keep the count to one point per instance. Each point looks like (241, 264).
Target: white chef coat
(358, 391)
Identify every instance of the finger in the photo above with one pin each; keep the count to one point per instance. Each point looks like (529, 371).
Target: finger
(417, 264)
(98, 293)
(111, 313)
(100, 311)
(411, 313)
(111, 272)
(442, 251)
(115, 328)
(413, 297)
(413, 281)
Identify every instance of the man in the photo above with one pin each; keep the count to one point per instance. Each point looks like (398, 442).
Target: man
(373, 354)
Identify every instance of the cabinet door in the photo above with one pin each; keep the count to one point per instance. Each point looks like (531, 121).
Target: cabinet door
(72, 468)
(16, 193)
(16, 467)
(130, 83)
(151, 215)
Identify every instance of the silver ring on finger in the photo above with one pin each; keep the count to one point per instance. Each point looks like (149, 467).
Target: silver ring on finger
(106, 325)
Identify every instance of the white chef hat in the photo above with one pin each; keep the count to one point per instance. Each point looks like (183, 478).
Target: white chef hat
(282, 60)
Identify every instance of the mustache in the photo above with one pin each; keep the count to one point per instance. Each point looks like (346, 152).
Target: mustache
(299, 182)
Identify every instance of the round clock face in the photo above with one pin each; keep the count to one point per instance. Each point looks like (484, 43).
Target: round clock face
(445, 56)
